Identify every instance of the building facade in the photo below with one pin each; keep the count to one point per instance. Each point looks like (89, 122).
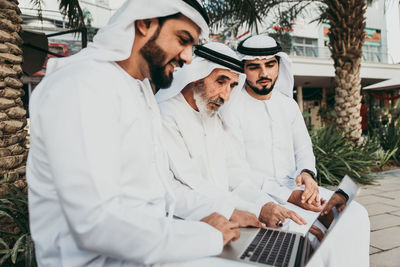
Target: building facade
(313, 67)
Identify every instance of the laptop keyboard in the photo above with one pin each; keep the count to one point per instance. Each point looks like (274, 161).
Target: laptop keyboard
(270, 247)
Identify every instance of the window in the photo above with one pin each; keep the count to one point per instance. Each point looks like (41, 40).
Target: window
(307, 47)
(372, 53)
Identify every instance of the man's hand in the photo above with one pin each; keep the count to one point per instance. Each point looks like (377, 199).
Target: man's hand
(311, 192)
(272, 213)
(245, 219)
(230, 230)
(338, 201)
(296, 199)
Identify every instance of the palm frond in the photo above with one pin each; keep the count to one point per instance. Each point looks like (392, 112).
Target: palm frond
(248, 12)
(39, 5)
(72, 10)
(68, 8)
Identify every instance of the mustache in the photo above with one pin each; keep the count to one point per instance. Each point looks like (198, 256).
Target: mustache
(178, 61)
(264, 79)
(218, 101)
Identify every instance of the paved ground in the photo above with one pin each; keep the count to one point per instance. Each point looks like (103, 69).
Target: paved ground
(383, 204)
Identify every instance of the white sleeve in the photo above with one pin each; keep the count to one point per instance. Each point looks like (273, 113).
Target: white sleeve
(279, 192)
(187, 172)
(80, 130)
(303, 148)
(242, 181)
(192, 205)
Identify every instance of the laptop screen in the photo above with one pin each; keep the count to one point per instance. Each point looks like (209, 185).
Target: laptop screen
(332, 212)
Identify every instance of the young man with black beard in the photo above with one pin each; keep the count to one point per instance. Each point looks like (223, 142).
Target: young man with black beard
(100, 189)
(272, 137)
(284, 152)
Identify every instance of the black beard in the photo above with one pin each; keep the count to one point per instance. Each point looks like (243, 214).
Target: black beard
(263, 91)
(155, 57)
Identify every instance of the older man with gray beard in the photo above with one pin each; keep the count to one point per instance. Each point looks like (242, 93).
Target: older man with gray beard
(197, 142)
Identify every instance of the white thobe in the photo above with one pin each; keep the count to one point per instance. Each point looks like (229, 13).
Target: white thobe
(201, 156)
(98, 176)
(275, 138)
(271, 135)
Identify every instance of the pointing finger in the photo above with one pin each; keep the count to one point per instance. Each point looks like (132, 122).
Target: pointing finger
(298, 180)
(296, 218)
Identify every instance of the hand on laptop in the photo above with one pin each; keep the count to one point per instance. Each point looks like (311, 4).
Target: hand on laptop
(230, 230)
(338, 201)
(296, 198)
(311, 191)
(245, 219)
(274, 215)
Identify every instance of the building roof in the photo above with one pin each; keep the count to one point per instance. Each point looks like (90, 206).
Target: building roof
(390, 84)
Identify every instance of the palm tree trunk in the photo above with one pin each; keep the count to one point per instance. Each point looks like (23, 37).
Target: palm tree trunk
(13, 150)
(346, 39)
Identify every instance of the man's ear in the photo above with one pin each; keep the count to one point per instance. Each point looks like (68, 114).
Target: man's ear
(146, 27)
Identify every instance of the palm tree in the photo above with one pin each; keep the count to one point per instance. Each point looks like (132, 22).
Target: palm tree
(14, 221)
(13, 141)
(346, 38)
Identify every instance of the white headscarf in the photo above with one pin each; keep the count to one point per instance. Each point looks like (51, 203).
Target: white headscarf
(197, 70)
(114, 41)
(285, 80)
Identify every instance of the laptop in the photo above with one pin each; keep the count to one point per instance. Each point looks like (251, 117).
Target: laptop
(277, 247)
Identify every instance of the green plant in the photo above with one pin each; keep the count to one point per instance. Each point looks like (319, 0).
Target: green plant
(336, 156)
(327, 114)
(14, 219)
(388, 138)
(383, 157)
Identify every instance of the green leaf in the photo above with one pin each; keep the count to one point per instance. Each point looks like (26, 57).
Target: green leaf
(16, 248)
(19, 202)
(29, 252)
(19, 223)
(2, 242)
(5, 213)
(8, 234)
(4, 258)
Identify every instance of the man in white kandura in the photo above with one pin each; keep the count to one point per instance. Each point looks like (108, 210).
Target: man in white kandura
(199, 147)
(100, 189)
(271, 135)
(199, 144)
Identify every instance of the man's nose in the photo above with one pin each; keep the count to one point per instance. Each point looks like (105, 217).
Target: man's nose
(186, 54)
(263, 72)
(226, 92)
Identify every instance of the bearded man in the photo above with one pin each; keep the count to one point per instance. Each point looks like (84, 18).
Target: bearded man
(99, 182)
(197, 142)
(271, 136)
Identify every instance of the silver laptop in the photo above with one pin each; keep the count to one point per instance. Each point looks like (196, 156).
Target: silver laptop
(274, 247)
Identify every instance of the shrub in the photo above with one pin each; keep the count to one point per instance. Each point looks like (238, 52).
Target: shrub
(388, 138)
(336, 156)
(16, 244)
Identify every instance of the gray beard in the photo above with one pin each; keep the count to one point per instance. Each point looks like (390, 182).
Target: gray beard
(201, 104)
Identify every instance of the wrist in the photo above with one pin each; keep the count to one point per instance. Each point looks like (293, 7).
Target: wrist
(310, 172)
